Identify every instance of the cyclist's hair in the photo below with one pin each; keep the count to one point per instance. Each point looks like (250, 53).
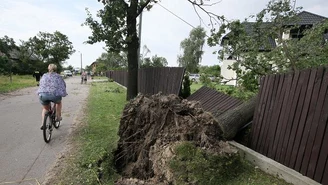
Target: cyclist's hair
(52, 68)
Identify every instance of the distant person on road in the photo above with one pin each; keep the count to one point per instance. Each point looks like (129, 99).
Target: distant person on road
(84, 77)
(37, 76)
(52, 88)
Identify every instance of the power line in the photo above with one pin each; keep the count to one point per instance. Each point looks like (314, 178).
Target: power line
(176, 15)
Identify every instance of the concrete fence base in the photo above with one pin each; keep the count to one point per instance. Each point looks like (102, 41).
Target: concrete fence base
(272, 167)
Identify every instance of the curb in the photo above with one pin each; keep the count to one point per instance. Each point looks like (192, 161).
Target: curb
(272, 167)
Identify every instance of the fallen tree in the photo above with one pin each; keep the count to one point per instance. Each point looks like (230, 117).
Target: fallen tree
(151, 126)
(231, 121)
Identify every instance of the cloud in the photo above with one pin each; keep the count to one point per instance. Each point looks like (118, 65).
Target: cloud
(24, 19)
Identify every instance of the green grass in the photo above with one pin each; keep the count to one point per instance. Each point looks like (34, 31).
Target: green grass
(99, 77)
(191, 164)
(97, 139)
(195, 86)
(18, 82)
(227, 89)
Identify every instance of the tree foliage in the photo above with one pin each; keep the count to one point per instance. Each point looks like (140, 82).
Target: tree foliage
(154, 61)
(259, 48)
(7, 45)
(116, 27)
(70, 67)
(192, 50)
(214, 70)
(50, 47)
(14, 58)
(34, 54)
(111, 61)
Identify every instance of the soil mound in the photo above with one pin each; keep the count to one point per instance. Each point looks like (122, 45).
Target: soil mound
(150, 128)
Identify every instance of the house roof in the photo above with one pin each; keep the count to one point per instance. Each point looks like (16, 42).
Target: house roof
(249, 28)
(304, 18)
(307, 18)
(93, 63)
(15, 55)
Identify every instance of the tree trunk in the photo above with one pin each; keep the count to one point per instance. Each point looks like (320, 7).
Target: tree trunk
(231, 121)
(133, 44)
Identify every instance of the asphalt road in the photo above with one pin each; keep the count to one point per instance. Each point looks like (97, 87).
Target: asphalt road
(24, 156)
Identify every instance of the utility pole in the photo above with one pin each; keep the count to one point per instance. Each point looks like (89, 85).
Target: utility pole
(81, 60)
(139, 35)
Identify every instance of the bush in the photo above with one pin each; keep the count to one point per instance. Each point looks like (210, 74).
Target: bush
(185, 89)
(237, 92)
(192, 165)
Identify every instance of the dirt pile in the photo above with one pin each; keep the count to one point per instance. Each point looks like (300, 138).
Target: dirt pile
(150, 128)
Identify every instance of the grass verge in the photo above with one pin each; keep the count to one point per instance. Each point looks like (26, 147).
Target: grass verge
(18, 82)
(94, 141)
(192, 165)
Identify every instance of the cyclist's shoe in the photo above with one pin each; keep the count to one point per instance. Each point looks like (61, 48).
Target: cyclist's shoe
(41, 127)
(59, 119)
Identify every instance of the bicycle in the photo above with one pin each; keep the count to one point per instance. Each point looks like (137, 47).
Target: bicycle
(49, 121)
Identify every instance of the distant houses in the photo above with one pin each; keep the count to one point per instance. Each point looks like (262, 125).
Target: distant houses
(304, 20)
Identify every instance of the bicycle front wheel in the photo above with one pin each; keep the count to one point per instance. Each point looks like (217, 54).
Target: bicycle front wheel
(47, 128)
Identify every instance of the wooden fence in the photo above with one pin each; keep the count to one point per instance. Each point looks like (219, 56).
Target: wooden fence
(290, 121)
(167, 80)
(214, 101)
(120, 76)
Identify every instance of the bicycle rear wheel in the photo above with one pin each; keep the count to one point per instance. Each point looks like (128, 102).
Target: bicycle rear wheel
(47, 128)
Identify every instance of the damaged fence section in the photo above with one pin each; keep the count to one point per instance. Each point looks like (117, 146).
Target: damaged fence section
(214, 101)
(290, 121)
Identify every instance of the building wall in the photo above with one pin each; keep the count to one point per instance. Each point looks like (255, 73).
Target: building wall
(228, 73)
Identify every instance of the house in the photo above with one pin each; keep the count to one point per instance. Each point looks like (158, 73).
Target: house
(94, 67)
(304, 20)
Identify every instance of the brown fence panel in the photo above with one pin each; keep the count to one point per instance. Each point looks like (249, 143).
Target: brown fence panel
(282, 105)
(259, 116)
(167, 80)
(312, 146)
(290, 114)
(214, 101)
(290, 121)
(295, 121)
(271, 99)
(153, 80)
(311, 124)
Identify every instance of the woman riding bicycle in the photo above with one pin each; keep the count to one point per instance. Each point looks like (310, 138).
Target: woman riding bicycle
(52, 88)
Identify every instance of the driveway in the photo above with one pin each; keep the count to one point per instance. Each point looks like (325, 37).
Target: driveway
(24, 156)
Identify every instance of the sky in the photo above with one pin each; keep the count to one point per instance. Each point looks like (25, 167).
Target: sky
(161, 31)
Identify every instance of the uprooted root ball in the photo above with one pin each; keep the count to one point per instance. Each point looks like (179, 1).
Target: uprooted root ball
(149, 128)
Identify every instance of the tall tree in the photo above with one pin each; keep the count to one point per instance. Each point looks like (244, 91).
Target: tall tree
(117, 29)
(50, 48)
(192, 50)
